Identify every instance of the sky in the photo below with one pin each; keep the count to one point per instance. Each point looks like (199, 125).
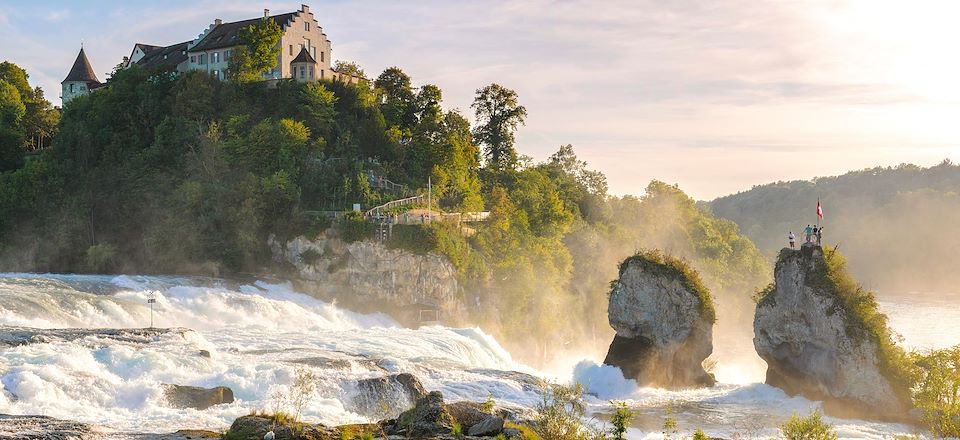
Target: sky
(714, 96)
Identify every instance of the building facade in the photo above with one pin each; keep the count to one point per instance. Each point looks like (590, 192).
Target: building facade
(212, 49)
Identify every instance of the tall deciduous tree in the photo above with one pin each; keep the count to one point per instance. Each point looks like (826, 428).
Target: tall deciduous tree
(259, 54)
(12, 110)
(396, 95)
(498, 114)
(349, 68)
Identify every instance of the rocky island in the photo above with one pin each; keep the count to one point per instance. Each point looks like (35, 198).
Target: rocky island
(664, 321)
(822, 337)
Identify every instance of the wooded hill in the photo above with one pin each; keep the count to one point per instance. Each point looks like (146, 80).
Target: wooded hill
(896, 224)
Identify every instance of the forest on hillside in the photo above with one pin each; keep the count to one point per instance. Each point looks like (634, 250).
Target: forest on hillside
(187, 174)
(894, 223)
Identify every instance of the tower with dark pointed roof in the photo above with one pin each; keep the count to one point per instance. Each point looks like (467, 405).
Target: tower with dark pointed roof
(81, 79)
(302, 67)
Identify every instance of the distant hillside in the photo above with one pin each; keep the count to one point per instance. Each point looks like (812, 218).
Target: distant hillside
(899, 226)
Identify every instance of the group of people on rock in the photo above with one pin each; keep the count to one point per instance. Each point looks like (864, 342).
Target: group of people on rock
(811, 232)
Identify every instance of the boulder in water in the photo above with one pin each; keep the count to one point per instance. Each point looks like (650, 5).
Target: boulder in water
(664, 321)
(386, 396)
(179, 396)
(429, 418)
(813, 345)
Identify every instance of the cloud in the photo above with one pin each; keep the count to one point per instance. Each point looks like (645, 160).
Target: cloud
(639, 87)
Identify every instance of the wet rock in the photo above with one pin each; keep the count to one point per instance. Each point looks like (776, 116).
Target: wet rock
(664, 329)
(429, 418)
(801, 332)
(254, 427)
(17, 336)
(467, 414)
(385, 396)
(488, 427)
(43, 428)
(179, 396)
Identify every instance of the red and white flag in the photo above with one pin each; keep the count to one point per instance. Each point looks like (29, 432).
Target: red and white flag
(819, 209)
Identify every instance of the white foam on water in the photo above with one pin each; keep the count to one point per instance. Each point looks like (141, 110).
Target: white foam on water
(259, 334)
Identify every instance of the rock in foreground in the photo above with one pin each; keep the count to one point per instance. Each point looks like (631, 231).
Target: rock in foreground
(179, 396)
(386, 395)
(431, 418)
(814, 345)
(664, 321)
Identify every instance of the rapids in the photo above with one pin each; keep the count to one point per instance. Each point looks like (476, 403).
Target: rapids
(258, 334)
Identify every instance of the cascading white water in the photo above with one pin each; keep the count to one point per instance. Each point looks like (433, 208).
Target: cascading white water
(258, 334)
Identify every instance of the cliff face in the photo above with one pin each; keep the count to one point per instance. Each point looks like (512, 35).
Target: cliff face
(800, 331)
(366, 276)
(662, 335)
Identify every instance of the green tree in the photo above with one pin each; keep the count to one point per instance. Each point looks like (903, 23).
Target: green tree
(41, 120)
(259, 53)
(498, 114)
(17, 77)
(937, 393)
(396, 95)
(349, 68)
(622, 415)
(318, 107)
(12, 111)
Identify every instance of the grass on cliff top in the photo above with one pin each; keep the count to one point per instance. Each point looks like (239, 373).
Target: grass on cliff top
(655, 262)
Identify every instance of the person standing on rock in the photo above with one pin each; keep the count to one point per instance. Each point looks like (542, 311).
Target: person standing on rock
(819, 234)
(792, 238)
(808, 232)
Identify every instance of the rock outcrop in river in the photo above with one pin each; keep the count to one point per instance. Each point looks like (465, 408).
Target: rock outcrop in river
(664, 321)
(814, 345)
(430, 418)
(367, 276)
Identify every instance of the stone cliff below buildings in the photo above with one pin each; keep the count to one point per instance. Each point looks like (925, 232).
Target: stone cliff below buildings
(367, 276)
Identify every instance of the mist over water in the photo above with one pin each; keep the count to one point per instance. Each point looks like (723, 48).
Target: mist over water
(258, 334)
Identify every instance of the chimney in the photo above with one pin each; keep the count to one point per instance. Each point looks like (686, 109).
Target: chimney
(305, 9)
(266, 13)
(217, 22)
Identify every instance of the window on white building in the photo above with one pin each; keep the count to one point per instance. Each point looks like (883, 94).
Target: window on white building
(193, 59)
(215, 74)
(203, 58)
(215, 57)
(303, 72)
(311, 72)
(226, 55)
(71, 88)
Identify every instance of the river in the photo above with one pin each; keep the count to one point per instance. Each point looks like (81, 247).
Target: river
(257, 335)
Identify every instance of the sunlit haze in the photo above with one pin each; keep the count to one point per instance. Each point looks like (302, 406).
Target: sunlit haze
(714, 96)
